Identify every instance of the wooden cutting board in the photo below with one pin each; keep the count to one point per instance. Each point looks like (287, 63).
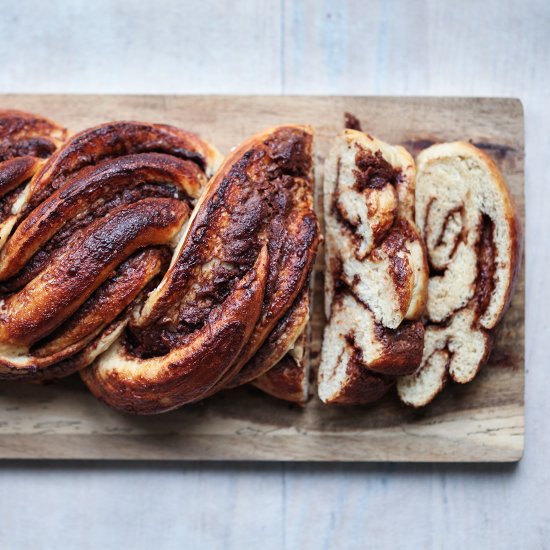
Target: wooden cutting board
(481, 421)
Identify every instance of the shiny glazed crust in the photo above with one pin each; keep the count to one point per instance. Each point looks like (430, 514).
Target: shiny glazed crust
(239, 267)
(95, 227)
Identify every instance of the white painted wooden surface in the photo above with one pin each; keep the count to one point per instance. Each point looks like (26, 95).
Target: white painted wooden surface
(495, 47)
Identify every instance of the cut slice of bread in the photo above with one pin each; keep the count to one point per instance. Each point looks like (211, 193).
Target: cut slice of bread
(473, 239)
(376, 270)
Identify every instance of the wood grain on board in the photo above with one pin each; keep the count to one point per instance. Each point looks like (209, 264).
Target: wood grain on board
(480, 421)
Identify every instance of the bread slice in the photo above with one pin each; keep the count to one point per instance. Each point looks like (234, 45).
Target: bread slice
(473, 239)
(376, 270)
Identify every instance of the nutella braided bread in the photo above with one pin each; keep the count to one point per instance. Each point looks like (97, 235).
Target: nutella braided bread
(132, 254)
(473, 237)
(238, 274)
(96, 225)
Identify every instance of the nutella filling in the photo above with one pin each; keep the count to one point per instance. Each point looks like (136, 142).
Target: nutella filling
(485, 283)
(373, 171)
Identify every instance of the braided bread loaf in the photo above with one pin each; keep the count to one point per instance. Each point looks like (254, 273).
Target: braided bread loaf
(473, 238)
(93, 229)
(376, 270)
(132, 254)
(237, 276)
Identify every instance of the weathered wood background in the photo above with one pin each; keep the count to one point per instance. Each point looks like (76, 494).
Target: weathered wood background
(482, 421)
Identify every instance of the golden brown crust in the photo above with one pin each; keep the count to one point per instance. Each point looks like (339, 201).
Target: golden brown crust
(261, 194)
(293, 236)
(78, 270)
(112, 182)
(110, 300)
(361, 387)
(73, 345)
(402, 348)
(107, 207)
(279, 342)
(25, 140)
(257, 207)
(24, 134)
(116, 139)
(15, 171)
(186, 373)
